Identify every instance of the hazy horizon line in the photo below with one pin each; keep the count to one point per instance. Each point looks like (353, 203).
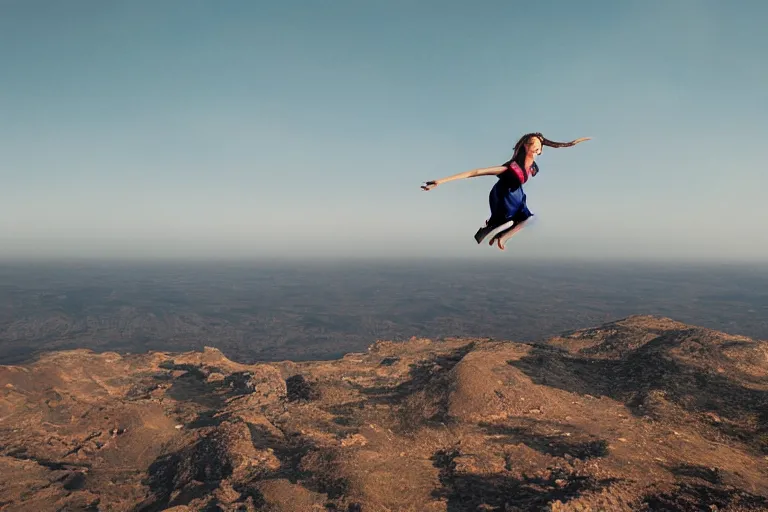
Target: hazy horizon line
(357, 259)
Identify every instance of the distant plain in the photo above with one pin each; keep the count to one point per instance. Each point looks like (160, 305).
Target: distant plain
(272, 311)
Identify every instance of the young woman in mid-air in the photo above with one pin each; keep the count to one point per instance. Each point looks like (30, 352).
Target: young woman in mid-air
(507, 199)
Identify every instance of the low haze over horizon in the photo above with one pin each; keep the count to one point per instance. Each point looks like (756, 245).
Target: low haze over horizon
(300, 130)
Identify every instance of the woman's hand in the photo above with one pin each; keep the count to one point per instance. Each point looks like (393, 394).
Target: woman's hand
(429, 185)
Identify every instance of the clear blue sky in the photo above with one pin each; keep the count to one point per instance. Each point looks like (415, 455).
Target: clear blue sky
(304, 128)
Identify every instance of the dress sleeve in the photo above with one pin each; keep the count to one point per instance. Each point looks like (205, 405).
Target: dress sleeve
(508, 176)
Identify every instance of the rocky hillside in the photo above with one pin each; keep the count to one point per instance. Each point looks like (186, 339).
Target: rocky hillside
(641, 414)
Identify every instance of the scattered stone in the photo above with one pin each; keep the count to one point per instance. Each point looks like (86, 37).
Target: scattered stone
(215, 377)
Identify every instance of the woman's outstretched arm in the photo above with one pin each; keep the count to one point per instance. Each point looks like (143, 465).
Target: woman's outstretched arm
(487, 171)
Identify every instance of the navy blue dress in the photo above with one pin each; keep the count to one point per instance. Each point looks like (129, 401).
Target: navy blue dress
(507, 198)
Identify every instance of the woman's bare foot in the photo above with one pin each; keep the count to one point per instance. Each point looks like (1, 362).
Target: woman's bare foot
(497, 240)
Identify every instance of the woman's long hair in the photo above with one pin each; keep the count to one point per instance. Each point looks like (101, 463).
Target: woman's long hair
(519, 155)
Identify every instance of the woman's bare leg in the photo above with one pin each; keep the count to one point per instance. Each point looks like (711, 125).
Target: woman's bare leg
(502, 237)
(490, 228)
